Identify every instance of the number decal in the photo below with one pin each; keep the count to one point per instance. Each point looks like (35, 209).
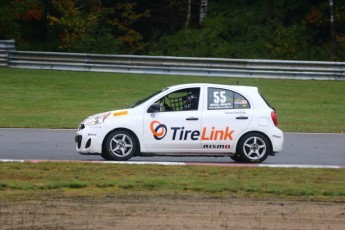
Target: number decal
(219, 97)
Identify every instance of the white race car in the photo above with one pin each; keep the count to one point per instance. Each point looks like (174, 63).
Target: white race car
(186, 120)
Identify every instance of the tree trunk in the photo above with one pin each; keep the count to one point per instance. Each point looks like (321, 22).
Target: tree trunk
(271, 8)
(203, 10)
(188, 13)
(333, 33)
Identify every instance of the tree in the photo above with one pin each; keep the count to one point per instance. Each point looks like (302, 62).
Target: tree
(72, 19)
(84, 25)
(17, 18)
(327, 21)
(120, 19)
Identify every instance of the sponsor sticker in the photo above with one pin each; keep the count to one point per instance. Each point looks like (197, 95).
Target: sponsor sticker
(121, 113)
(240, 102)
(159, 131)
(212, 146)
(235, 112)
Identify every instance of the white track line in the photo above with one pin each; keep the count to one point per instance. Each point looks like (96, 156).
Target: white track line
(300, 166)
(183, 163)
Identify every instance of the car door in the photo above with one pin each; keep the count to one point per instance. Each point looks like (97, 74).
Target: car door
(175, 125)
(226, 116)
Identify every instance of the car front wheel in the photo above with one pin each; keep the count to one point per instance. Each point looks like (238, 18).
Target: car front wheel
(120, 145)
(253, 148)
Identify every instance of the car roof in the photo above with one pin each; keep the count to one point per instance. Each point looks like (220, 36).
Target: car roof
(238, 87)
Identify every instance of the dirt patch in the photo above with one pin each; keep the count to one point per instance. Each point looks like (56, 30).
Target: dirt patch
(128, 212)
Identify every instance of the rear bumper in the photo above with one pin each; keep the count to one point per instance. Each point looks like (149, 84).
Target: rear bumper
(277, 140)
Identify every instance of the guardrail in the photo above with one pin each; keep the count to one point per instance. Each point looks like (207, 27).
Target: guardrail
(214, 67)
(6, 46)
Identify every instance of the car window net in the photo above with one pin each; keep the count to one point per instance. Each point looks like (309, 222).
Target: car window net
(181, 101)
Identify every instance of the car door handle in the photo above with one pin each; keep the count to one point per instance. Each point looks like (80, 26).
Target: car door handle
(242, 118)
(192, 118)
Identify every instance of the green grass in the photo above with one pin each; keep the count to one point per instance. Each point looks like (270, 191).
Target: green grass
(62, 99)
(83, 179)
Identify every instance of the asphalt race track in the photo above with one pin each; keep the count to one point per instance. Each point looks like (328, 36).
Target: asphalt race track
(54, 144)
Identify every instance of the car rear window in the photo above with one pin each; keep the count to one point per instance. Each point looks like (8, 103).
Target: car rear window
(267, 103)
(225, 99)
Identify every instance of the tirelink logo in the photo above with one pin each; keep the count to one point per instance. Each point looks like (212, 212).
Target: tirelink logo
(159, 131)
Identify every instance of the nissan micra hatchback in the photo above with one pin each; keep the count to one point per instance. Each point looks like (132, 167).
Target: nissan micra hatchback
(186, 120)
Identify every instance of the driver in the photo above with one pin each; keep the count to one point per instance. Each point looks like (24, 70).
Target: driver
(190, 102)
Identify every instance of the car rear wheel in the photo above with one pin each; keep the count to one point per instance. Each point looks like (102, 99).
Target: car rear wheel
(120, 145)
(253, 148)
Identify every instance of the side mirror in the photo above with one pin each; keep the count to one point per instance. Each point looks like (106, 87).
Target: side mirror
(154, 108)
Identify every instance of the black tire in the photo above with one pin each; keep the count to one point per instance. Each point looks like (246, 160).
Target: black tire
(120, 145)
(237, 158)
(253, 148)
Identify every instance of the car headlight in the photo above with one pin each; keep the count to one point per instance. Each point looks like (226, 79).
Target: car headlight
(96, 119)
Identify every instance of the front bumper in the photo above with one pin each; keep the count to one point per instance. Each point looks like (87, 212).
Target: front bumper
(89, 140)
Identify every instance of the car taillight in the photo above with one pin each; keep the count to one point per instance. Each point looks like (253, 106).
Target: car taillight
(274, 118)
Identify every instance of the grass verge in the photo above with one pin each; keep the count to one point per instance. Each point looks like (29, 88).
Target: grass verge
(62, 99)
(100, 180)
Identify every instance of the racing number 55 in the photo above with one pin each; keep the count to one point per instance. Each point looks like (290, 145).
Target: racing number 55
(219, 97)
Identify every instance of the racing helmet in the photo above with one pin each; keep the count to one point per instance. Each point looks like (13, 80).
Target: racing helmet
(190, 102)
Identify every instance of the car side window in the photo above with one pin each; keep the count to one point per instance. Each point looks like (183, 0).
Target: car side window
(225, 99)
(180, 100)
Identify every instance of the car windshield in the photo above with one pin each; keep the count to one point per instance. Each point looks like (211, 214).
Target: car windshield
(139, 102)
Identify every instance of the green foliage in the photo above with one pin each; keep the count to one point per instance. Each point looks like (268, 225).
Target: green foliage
(77, 26)
(9, 28)
(273, 29)
(288, 44)
(258, 30)
(72, 19)
(16, 16)
(98, 42)
(194, 42)
(119, 19)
